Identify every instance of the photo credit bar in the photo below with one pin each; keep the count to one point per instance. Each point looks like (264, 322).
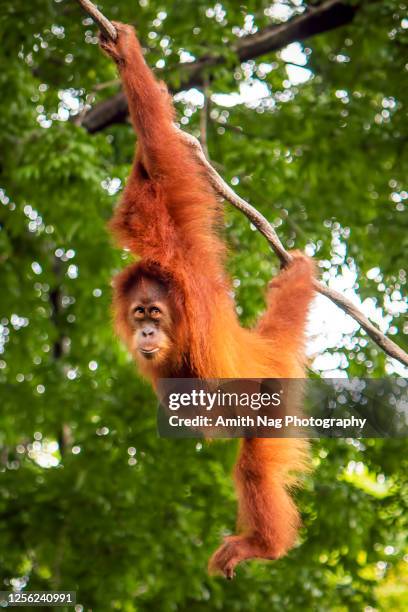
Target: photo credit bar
(284, 408)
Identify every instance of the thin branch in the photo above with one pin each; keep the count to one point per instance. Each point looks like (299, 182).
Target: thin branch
(104, 24)
(266, 229)
(225, 191)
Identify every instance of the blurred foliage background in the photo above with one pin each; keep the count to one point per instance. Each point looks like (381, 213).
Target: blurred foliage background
(315, 136)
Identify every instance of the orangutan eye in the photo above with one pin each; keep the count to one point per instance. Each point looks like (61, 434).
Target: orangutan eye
(138, 311)
(155, 311)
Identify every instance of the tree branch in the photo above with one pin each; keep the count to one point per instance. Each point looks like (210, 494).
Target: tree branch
(104, 24)
(328, 15)
(324, 17)
(266, 229)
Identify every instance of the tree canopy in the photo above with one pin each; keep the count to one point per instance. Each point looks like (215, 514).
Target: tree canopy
(302, 106)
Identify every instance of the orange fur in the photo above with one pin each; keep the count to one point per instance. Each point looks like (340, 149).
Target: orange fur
(168, 216)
